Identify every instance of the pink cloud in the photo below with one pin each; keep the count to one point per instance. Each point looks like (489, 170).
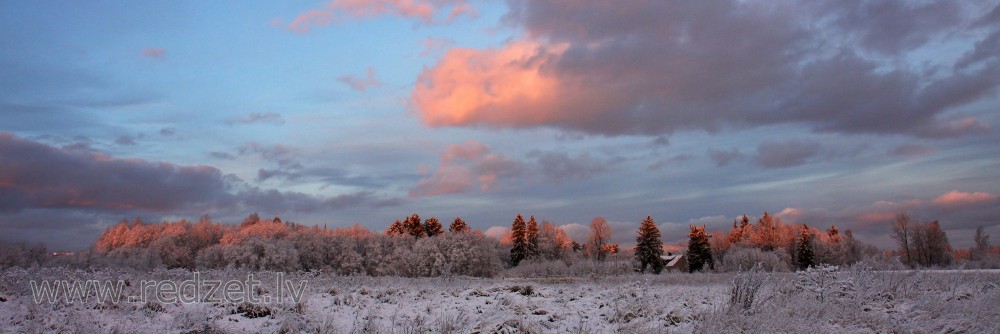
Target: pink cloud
(332, 12)
(505, 87)
(656, 67)
(956, 199)
(154, 52)
(463, 167)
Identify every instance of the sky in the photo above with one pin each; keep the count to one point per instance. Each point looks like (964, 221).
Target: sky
(827, 112)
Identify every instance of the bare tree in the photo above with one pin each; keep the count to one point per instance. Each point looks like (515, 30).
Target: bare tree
(901, 232)
(600, 233)
(982, 244)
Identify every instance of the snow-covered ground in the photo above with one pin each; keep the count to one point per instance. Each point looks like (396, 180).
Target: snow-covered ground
(853, 300)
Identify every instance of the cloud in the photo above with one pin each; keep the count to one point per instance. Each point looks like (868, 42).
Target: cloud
(34, 175)
(252, 118)
(361, 84)
(657, 67)
(721, 158)
(911, 151)
(168, 132)
(127, 140)
(154, 52)
(496, 232)
(222, 155)
(789, 153)
(559, 166)
(957, 199)
(464, 166)
(37, 176)
(661, 164)
(956, 210)
(338, 10)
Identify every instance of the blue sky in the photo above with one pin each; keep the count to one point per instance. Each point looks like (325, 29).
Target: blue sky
(369, 110)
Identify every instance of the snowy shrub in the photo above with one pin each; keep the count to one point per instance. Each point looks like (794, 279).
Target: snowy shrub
(746, 286)
(744, 258)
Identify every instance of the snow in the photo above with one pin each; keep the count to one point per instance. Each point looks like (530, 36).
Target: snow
(823, 300)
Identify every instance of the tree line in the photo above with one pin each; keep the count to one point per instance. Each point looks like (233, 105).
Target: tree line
(415, 247)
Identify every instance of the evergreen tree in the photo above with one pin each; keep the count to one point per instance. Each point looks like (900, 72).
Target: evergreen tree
(519, 239)
(433, 227)
(576, 246)
(649, 247)
(532, 237)
(458, 226)
(414, 227)
(395, 229)
(804, 253)
(699, 251)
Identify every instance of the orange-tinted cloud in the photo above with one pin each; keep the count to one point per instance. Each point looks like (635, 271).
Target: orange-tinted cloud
(957, 199)
(504, 87)
(336, 10)
(656, 67)
(463, 167)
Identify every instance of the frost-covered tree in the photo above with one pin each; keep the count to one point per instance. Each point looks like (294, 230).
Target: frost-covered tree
(596, 247)
(981, 245)
(741, 230)
(649, 247)
(901, 233)
(519, 241)
(804, 254)
(414, 227)
(699, 252)
(766, 234)
(396, 228)
(433, 227)
(532, 237)
(458, 226)
(553, 243)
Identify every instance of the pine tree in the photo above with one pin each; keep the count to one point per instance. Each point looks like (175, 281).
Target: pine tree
(414, 227)
(576, 246)
(433, 227)
(699, 251)
(649, 247)
(532, 237)
(395, 229)
(458, 226)
(519, 238)
(804, 253)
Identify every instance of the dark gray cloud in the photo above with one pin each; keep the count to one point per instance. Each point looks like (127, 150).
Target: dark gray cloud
(37, 176)
(40, 176)
(721, 158)
(789, 153)
(168, 132)
(559, 166)
(655, 67)
(128, 140)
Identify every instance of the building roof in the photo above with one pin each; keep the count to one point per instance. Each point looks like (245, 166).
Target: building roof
(672, 260)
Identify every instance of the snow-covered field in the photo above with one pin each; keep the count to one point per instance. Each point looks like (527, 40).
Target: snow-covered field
(852, 300)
